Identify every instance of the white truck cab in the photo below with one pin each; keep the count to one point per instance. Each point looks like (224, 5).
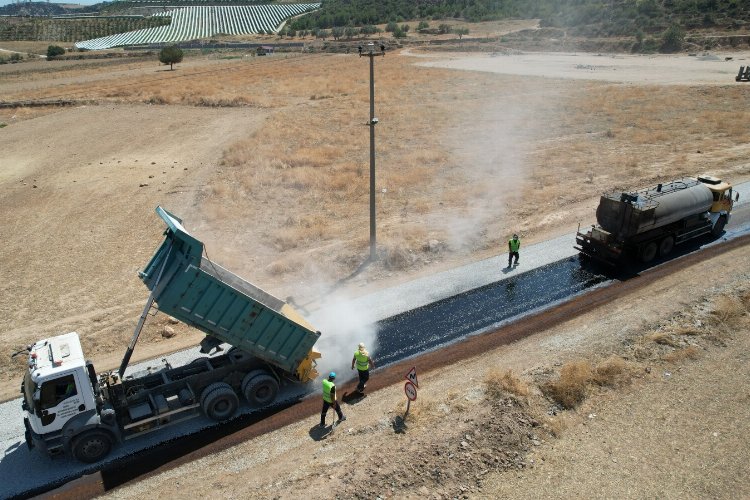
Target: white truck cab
(57, 390)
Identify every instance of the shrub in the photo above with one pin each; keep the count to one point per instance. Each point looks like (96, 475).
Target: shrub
(569, 390)
(15, 57)
(54, 51)
(391, 27)
(497, 384)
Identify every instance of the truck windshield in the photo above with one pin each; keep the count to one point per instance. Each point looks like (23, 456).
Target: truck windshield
(29, 387)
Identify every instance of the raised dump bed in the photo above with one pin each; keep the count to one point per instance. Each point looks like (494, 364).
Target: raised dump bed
(224, 306)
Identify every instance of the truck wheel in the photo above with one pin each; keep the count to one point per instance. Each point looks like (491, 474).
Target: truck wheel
(219, 401)
(91, 446)
(666, 246)
(260, 389)
(718, 228)
(648, 252)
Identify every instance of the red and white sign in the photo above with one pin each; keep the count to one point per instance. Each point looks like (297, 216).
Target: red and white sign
(411, 391)
(412, 376)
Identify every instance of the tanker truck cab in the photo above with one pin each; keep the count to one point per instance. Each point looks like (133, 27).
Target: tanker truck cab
(723, 201)
(58, 396)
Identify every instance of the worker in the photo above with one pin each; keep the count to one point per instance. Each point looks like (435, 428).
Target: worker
(514, 244)
(329, 399)
(364, 362)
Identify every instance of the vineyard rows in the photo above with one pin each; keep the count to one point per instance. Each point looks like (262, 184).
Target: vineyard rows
(192, 23)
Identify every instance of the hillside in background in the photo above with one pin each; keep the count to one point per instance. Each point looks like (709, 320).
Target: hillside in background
(584, 17)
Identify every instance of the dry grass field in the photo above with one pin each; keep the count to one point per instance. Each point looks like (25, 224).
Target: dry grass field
(267, 161)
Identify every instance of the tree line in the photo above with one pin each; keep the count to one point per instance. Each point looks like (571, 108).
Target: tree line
(583, 17)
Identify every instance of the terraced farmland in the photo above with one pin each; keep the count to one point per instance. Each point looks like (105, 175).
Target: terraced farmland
(191, 23)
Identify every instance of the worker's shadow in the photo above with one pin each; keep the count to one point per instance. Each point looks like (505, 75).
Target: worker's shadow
(318, 433)
(352, 398)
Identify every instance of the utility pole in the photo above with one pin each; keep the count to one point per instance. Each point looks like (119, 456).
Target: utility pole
(373, 121)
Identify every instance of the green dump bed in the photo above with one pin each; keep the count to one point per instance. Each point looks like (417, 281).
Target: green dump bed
(206, 296)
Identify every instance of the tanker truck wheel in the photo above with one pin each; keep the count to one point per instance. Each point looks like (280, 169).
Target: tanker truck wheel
(666, 246)
(648, 252)
(219, 402)
(719, 227)
(260, 388)
(91, 446)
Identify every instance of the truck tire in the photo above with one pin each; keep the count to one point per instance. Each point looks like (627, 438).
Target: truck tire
(219, 402)
(718, 228)
(648, 252)
(91, 446)
(666, 245)
(259, 388)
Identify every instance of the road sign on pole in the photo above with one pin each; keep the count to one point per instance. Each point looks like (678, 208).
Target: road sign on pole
(411, 391)
(412, 376)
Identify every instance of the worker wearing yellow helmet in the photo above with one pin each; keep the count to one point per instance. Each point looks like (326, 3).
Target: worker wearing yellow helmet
(363, 362)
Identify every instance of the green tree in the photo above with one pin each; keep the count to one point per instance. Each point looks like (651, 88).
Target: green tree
(461, 32)
(171, 55)
(399, 33)
(671, 40)
(54, 51)
(423, 25)
(391, 27)
(444, 29)
(337, 32)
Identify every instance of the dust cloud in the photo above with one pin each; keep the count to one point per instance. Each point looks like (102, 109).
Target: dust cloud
(491, 154)
(343, 326)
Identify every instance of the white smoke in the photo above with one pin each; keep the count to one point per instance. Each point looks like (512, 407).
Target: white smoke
(343, 325)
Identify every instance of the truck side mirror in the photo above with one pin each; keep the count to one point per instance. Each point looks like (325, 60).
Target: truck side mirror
(736, 196)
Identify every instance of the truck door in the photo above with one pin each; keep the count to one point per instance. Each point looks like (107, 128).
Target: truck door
(60, 399)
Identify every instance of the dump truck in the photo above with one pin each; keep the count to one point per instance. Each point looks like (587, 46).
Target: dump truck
(647, 223)
(254, 344)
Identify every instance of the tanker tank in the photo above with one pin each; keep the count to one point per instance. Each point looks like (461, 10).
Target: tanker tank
(627, 214)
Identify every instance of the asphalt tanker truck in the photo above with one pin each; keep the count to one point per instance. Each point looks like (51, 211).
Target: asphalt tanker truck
(650, 222)
(69, 408)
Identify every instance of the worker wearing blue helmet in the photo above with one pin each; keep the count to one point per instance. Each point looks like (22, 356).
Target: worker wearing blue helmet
(329, 399)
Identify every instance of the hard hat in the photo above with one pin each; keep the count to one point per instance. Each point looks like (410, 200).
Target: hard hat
(361, 346)
(332, 375)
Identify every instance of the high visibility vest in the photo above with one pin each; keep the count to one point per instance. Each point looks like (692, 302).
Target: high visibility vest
(328, 386)
(514, 245)
(363, 362)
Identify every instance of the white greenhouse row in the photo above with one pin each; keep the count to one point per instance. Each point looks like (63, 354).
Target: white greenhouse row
(191, 23)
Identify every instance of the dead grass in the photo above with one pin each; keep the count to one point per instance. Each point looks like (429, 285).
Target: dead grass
(578, 377)
(614, 372)
(727, 311)
(498, 384)
(571, 387)
(421, 412)
(663, 338)
(680, 355)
